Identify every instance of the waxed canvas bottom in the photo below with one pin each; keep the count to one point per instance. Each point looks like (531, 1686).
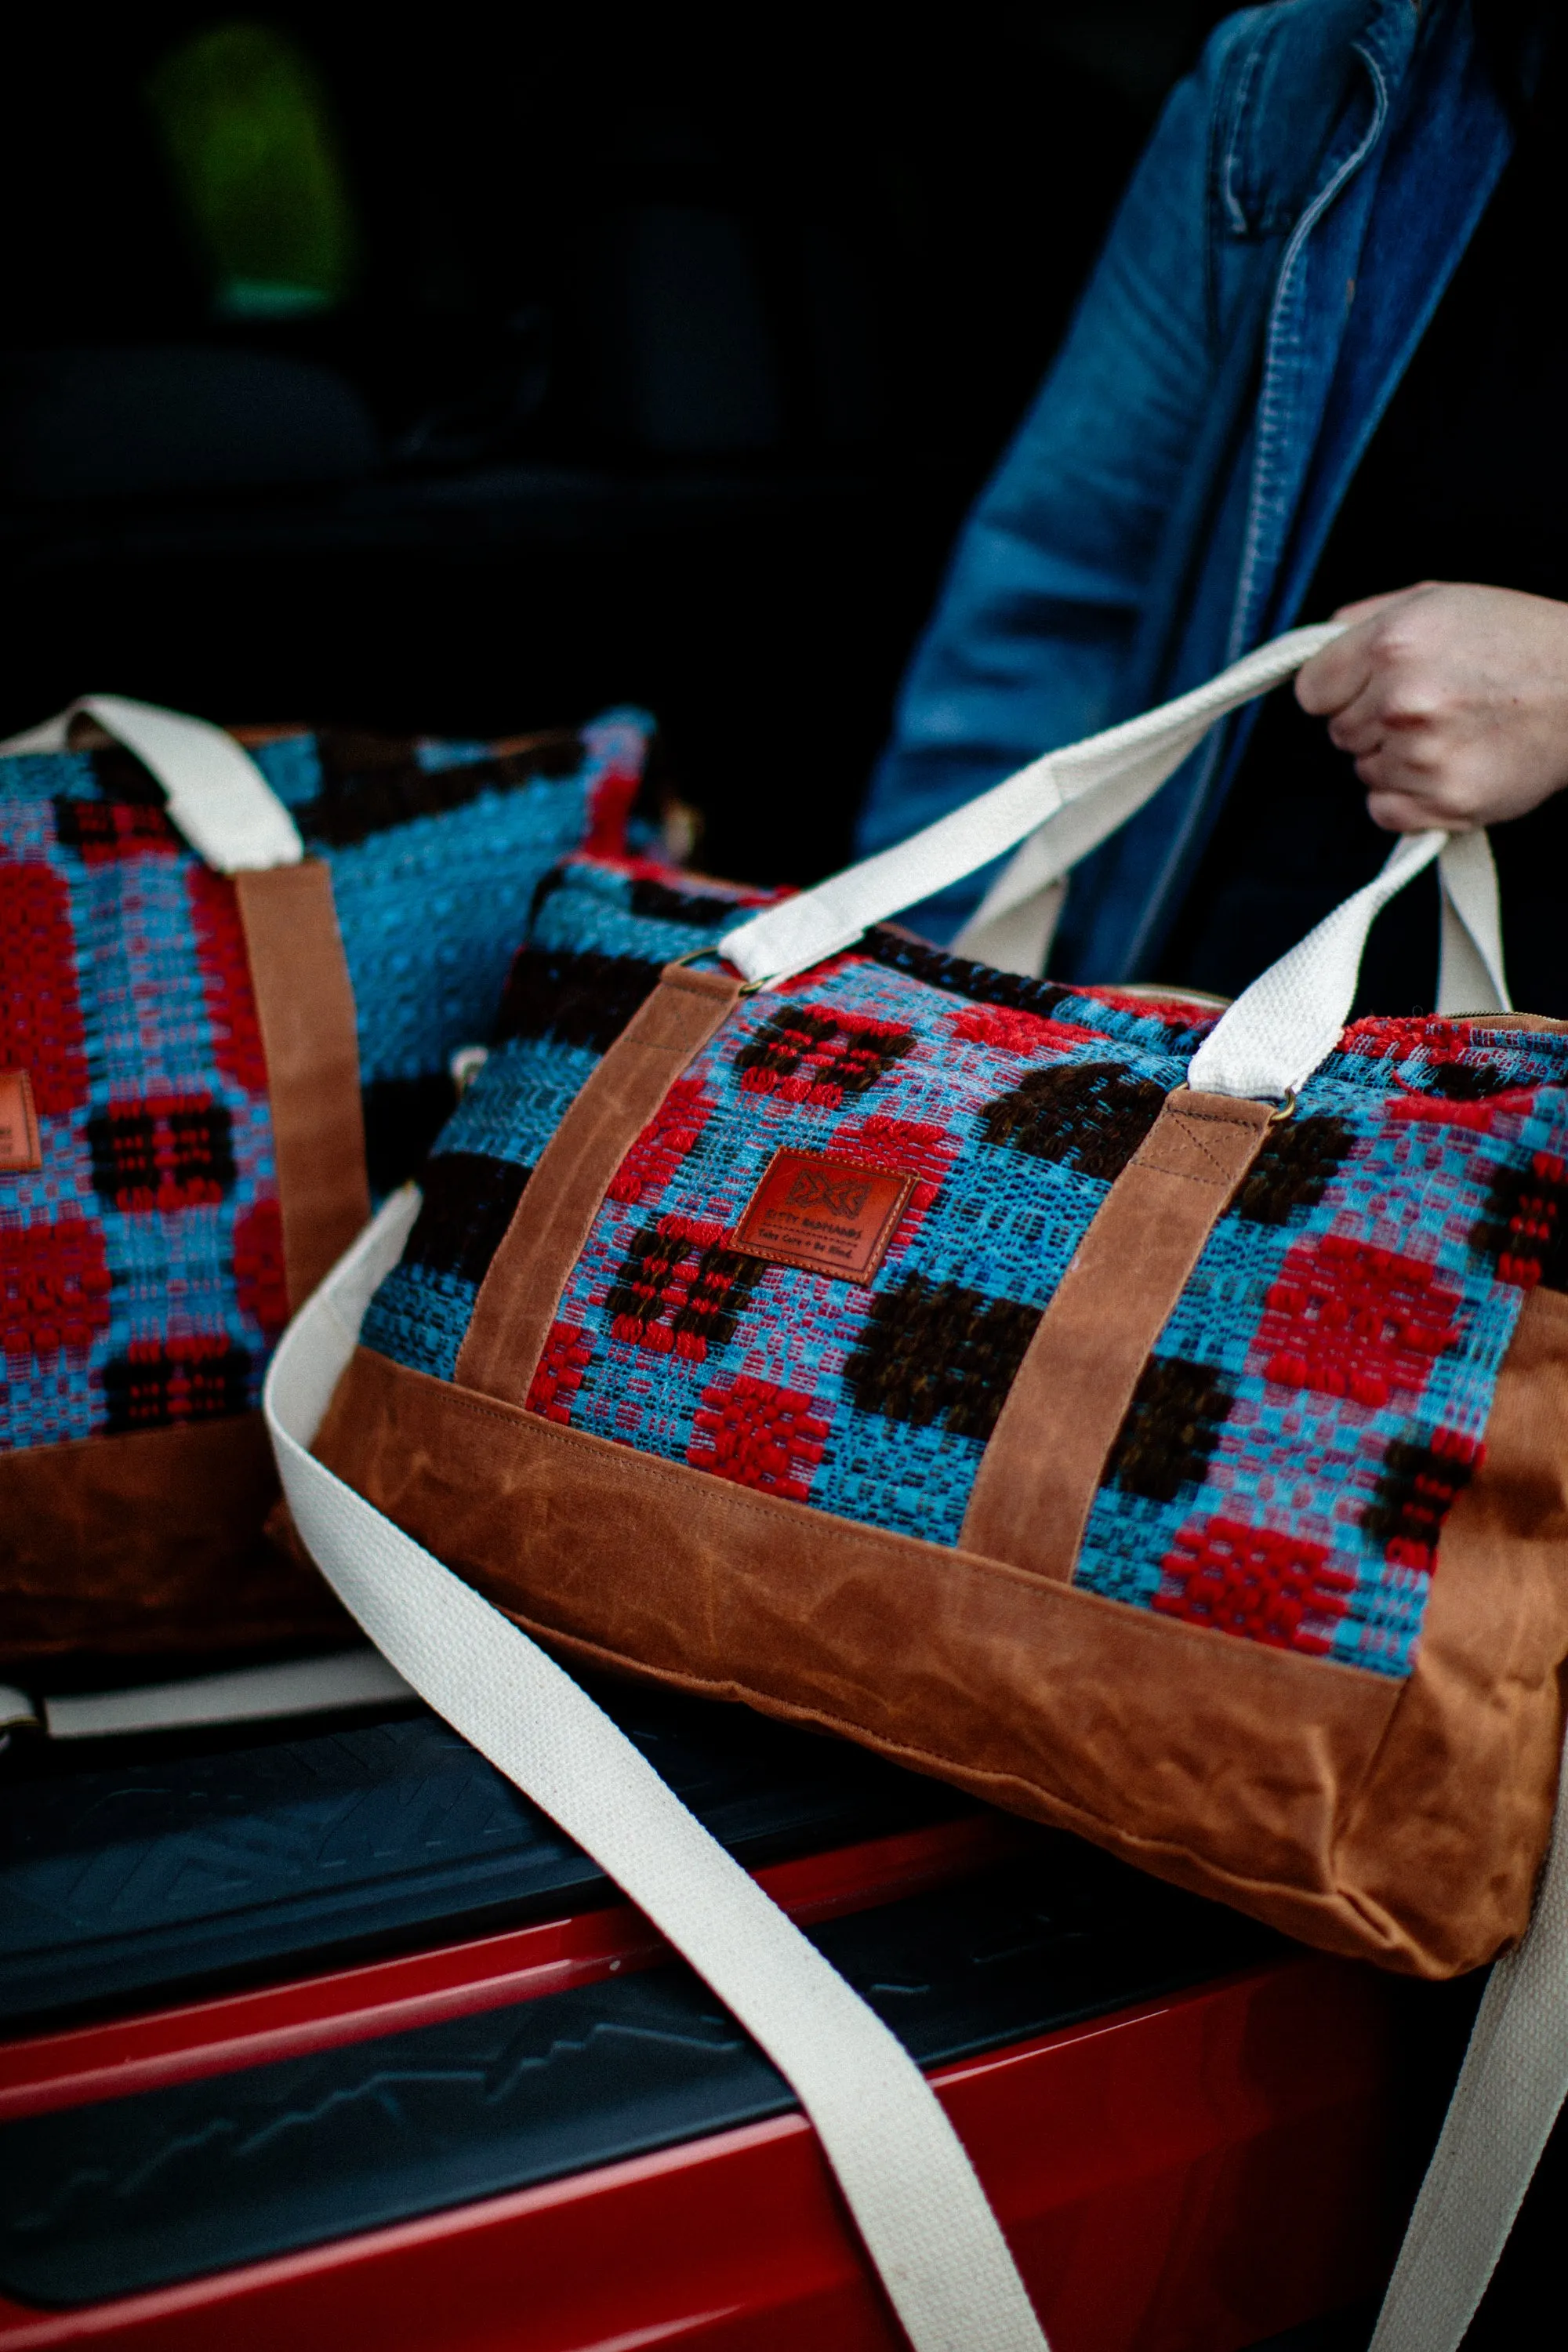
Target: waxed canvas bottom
(151, 1542)
(1399, 1822)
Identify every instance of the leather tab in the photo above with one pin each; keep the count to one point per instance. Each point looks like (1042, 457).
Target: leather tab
(305, 1006)
(520, 1295)
(1048, 1453)
(831, 1216)
(20, 1150)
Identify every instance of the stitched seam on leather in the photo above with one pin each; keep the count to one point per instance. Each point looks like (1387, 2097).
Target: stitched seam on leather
(1139, 1622)
(1186, 1176)
(647, 1465)
(1327, 1897)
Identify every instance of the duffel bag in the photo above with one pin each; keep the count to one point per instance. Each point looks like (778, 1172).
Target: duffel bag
(1150, 1417)
(223, 971)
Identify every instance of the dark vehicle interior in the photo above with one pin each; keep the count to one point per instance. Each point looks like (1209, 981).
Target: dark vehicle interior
(466, 371)
(471, 375)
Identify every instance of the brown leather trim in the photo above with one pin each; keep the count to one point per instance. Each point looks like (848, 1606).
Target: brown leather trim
(1046, 1456)
(1470, 1764)
(519, 1294)
(306, 1010)
(1225, 1767)
(148, 1541)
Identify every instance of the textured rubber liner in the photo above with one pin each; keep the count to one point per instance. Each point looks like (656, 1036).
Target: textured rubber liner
(181, 1862)
(131, 2193)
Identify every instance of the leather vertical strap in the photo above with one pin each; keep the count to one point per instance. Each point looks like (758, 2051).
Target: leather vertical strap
(1048, 1453)
(305, 1005)
(550, 1226)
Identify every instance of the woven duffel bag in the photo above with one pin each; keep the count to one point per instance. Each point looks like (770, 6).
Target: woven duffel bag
(1149, 1417)
(221, 970)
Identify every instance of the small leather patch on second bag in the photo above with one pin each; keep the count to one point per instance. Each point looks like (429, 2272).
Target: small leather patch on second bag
(830, 1216)
(19, 1148)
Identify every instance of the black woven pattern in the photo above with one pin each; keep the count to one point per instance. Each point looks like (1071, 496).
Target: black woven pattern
(937, 1350)
(1523, 1228)
(113, 828)
(190, 1381)
(467, 1208)
(370, 783)
(960, 977)
(1091, 1115)
(169, 1159)
(1415, 1491)
(704, 909)
(120, 776)
(1171, 1428)
(782, 1042)
(1462, 1082)
(718, 1284)
(581, 1000)
(1298, 1161)
(402, 1117)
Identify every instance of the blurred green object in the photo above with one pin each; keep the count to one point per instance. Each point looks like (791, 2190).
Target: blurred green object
(247, 132)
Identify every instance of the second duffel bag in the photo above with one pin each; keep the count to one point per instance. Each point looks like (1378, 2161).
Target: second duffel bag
(223, 970)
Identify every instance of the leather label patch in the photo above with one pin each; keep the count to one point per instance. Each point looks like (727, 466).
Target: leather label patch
(830, 1216)
(20, 1151)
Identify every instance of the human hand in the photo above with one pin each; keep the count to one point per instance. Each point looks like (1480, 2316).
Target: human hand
(1453, 700)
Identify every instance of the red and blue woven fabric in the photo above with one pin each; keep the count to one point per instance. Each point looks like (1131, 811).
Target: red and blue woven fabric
(141, 1265)
(1313, 1406)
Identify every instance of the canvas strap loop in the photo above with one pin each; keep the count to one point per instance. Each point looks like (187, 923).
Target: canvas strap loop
(1063, 805)
(920, 2209)
(216, 795)
(1059, 807)
(1278, 1030)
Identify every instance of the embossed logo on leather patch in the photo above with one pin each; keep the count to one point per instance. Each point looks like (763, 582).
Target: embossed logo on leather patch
(830, 1216)
(19, 1147)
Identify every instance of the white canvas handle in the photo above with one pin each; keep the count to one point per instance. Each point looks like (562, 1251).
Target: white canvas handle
(217, 796)
(912, 2190)
(1063, 805)
(1278, 1030)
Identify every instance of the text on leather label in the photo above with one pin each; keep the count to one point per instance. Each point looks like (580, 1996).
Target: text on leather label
(830, 1216)
(19, 1148)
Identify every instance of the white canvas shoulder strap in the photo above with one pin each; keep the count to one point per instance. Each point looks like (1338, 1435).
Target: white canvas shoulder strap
(217, 796)
(919, 2207)
(913, 2193)
(1509, 2094)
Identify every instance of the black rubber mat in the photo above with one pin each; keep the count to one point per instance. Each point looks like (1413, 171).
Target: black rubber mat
(131, 2194)
(143, 1869)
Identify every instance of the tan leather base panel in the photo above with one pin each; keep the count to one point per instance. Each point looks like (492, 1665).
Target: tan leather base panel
(1398, 1823)
(150, 1542)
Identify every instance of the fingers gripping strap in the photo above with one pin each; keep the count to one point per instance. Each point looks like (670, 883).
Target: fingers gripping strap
(1509, 2092)
(1077, 795)
(920, 2209)
(217, 796)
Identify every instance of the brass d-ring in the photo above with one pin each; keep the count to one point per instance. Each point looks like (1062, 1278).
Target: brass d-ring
(1282, 1111)
(694, 955)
